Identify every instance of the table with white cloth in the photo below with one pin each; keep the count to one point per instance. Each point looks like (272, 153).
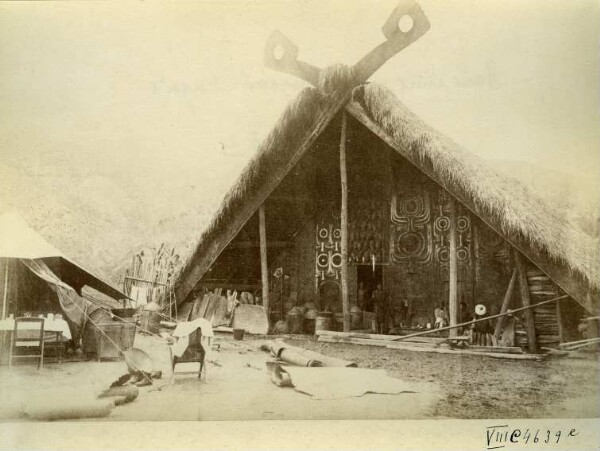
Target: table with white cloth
(7, 327)
(50, 325)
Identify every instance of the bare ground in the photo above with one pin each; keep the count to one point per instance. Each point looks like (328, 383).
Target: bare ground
(442, 386)
(484, 387)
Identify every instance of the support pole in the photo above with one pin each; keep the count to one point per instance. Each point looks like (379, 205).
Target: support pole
(453, 282)
(525, 299)
(506, 303)
(5, 294)
(264, 268)
(561, 333)
(344, 224)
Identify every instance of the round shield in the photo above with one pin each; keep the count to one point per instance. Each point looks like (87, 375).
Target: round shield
(480, 310)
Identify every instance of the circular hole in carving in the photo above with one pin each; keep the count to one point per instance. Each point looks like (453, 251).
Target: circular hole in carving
(278, 52)
(405, 23)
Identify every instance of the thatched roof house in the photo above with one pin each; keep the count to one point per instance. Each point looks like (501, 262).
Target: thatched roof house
(560, 249)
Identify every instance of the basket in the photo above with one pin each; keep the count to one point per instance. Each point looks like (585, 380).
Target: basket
(112, 338)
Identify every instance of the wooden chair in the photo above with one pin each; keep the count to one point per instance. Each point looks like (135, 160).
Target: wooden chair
(195, 352)
(27, 342)
(54, 345)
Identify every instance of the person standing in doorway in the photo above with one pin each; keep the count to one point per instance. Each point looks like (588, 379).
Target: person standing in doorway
(380, 303)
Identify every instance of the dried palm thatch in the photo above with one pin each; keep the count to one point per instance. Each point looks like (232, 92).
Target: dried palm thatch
(518, 210)
(274, 152)
(514, 206)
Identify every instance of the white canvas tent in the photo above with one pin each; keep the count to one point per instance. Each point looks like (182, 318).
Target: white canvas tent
(34, 272)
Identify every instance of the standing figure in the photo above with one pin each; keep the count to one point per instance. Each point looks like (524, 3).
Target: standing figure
(360, 296)
(380, 303)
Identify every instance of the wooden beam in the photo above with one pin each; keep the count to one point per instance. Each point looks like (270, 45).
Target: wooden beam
(254, 244)
(264, 267)
(526, 300)
(506, 303)
(579, 289)
(344, 224)
(453, 272)
(212, 284)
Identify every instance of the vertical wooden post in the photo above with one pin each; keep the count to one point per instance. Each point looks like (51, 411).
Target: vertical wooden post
(5, 294)
(524, 288)
(344, 224)
(561, 333)
(453, 282)
(506, 303)
(264, 267)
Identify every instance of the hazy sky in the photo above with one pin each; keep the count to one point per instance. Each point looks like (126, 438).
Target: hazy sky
(166, 102)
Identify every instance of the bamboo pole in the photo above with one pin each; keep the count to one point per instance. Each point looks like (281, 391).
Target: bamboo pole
(344, 224)
(264, 267)
(453, 282)
(487, 318)
(526, 300)
(506, 302)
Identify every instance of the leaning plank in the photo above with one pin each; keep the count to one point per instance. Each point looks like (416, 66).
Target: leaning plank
(506, 302)
(407, 347)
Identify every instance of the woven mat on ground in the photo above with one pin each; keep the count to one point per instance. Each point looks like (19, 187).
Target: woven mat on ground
(339, 382)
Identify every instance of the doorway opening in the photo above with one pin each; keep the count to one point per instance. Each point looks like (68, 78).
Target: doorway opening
(367, 279)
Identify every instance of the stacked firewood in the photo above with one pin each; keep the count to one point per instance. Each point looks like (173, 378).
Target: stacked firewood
(541, 288)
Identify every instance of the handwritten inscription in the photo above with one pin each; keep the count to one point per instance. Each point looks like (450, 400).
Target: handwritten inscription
(503, 436)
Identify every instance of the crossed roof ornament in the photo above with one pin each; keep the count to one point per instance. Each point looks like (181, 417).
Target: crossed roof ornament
(405, 25)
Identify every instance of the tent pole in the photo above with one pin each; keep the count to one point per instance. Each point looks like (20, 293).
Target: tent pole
(5, 294)
(344, 224)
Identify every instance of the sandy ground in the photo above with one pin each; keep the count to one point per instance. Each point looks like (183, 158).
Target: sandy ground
(239, 388)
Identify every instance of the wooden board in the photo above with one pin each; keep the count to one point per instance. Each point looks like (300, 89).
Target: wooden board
(252, 318)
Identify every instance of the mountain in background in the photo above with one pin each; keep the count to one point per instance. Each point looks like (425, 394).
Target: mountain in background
(102, 226)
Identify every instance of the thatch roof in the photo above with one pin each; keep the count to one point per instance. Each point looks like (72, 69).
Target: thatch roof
(502, 202)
